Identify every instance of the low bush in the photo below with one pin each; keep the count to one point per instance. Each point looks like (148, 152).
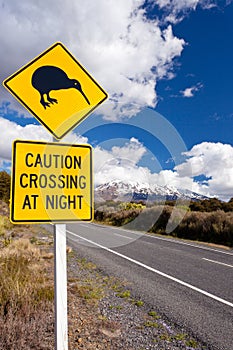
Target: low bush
(118, 217)
(214, 227)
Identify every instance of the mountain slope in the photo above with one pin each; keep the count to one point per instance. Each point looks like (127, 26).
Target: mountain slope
(121, 191)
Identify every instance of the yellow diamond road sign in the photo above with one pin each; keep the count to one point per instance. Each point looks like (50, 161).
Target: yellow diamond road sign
(56, 89)
(51, 182)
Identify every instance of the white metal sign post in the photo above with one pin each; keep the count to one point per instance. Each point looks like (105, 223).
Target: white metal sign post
(60, 287)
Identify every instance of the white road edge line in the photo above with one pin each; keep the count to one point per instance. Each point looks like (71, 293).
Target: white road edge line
(218, 262)
(156, 271)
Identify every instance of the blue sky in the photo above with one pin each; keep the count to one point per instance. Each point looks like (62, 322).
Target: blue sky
(167, 66)
(206, 63)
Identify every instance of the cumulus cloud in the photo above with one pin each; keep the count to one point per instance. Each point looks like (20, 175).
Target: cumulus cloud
(13, 131)
(175, 10)
(179, 5)
(120, 163)
(119, 45)
(190, 91)
(213, 160)
(124, 50)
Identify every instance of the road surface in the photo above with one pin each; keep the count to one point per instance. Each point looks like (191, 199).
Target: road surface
(189, 284)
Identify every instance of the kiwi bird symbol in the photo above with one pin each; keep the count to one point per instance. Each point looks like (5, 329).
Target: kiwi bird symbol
(47, 78)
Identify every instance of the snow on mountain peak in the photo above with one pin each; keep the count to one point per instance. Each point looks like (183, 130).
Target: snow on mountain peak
(123, 191)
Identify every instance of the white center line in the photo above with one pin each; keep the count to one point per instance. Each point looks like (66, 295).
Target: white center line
(223, 301)
(89, 226)
(117, 234)
(142, 234)
(218, 262)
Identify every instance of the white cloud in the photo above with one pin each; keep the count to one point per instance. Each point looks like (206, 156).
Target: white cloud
(13, 131)
(126, 52)
(120, 163)
(133, 151)
(215, 162)
(179, 5)
(190, 92)
(177, 9)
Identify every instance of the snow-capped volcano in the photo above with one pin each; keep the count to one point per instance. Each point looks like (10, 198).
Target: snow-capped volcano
(124, 191)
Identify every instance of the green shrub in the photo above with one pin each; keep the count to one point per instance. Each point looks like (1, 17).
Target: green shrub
(129, 206)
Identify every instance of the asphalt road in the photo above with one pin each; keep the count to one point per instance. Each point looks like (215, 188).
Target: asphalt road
(189, 284)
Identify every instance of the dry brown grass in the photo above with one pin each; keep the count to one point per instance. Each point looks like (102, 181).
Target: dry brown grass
(22, 277)
(5, 225)
(27, 329)
(26, 296)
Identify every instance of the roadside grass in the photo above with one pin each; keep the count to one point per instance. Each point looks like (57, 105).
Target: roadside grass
(22, 277)
(86, 265)
(138, 303)
(124, 294)
(91, 292)
(152, 324)
(154, 315)
(4, 225)
(26, 291)
(26, 298)
(5, 231)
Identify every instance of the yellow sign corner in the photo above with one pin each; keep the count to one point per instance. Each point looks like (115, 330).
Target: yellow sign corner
(56, 89)
(51, 182)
